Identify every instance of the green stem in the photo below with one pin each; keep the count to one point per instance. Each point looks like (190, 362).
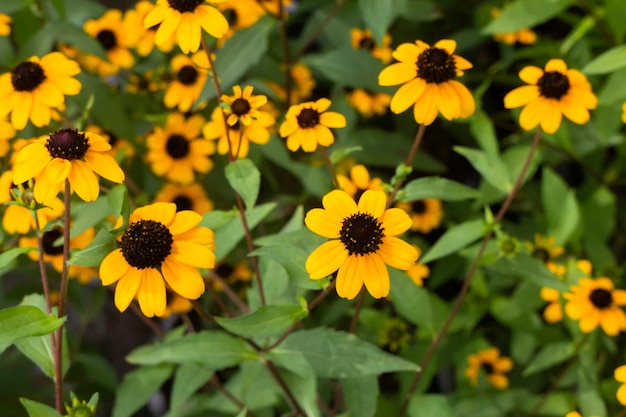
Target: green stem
(408, 163)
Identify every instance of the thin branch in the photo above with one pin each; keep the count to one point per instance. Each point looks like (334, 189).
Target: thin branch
(217, 384)
(408, 163)
(232, 295)
(149, 323)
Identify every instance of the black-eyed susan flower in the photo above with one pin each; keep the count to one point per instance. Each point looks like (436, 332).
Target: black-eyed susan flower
(178, 151)
(186, 197)
(186, 19)
(620, 376)
(308, 124)
(364, 241)
(492, 364)
(426, 214)
(595, 302)
(358, 182)
(159, 246)
(418, 272)
(363, 39)
(242, 106)
(67, 154)
(239, 134)
(553, 313)
(5, 24)
(117, 37)
(190, 75)
(394, 334)
(367, 103)
(240, 14)
(524, 36)
(428, 76)
(35, 87)
(544, 248)
(552, 93)
(145, 37)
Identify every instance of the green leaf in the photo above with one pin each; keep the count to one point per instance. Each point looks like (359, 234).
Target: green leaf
(560, 206)
(615, 16)
(36, 409)
(530, 269)
(188, 379)
(378, 16)
(40, 43)
(491, 167)
(455, 239)
(96, 251)
(484, 132)
(9, 256)
(522, 14)
(292, 259)
(304, 390)
(232, 232)
(430, 405)
(550, 355)
(245, 179)
(437, 187)
(265, 322)
(78, 38)
(239, 53)
(25, 321)
(607, 62)
(214, 349)
(361, 395)
(138, 387)
(334, 354)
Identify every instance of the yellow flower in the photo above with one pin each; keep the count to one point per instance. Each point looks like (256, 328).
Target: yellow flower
(552, 93)
(7, 131)
(5, 24)
(418, 272)
(624, 112)
(243, 106)
(524, 36)
(426, 214)
(159, 246)
(492, 364)
(304, 83)
(116, 36)
(596, 303)
(176, 304)
(553, 313)
(239, 134)
(241, 14)
(119, 147)
(306, 125)
(545, 250)
(33, 88)
(67, 154)
(273, 7)
(358, 182)
(362, 39)
(364, 239)
(190, 75)
(620, 376)
(394, 335)
(428, 77)
(178, 151)
(369, 104)
(186, 197)
(186, 18)
(145, 37)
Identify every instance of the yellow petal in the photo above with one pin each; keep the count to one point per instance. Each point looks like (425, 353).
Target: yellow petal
(407, 95)
(339, 204)
(151, 293)
(323, 223)
(373, 202)
(398, 73)
(184, 221)
(212, 21)
(574, 111)
(113, 267)
(161, 212)
(521, 96)
(395, 221)
(448, 101)
(556, 65)
(425, 110)
(332, 119)
(397, 253)
(105, 166)
(126, 288)
(350, 277)
(167, 28)
(531, 74)
(449, 45)
(183, 279)
(620, 374)
(188, 33)
(550, 120)
(192, 254)
(326, 259)
(83, 181)
(407, 52)
(30, 162)
(376, 276)
(621, 394)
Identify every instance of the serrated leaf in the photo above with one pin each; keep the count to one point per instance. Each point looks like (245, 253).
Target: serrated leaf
(522, 14)
(265, 322)
(491, 167)
(437, 187)
(36, 409)
(244, 177)
(455, 239)
(138, 387)
(550, 355)
(25, 321)
(213, 349)
(334, 354)
(292, 259)
(607, 62)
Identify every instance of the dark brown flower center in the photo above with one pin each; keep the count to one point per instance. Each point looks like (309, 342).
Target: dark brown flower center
(27, 76)
(487, 367)
(553, 84)
(542, 254)
(146, 244)
(418, 207)
(240, 107)
(187, 75)
(436, 66)
(233, 18)
(308, 118)
(48, 239)
(67, 144)
(601, 298)
(367, 43)
(107, 39)
(361, 234)
(183, 203)
(185, 5)
(177, 146)
(224, 270)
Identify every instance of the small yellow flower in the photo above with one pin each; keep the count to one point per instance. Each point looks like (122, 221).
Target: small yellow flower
(5, 24)
(492, 364)
(620, 376)
(145, 37)
(545, 250)
(362, 39)
(524, 36)
(359, 182)
(369, 104)
(418, 272)
(552, 93)
(176, 304)
(426, 214)
(186, 197)
(190, 74)
(553, 313)
(241, 14)
(394, 335)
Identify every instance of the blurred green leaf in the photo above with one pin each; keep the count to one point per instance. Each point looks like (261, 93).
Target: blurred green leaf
(484, 132)
(550, 355)
(379, 14)
(437, 187)
(265, 322)
(455, 239)
(361, 395)
(530, 269)
(39, 43)
(189, 377)
(607, 62)
(11, 6)
(304, 390)
(214, 349)
(420, 11)
(522, 14)
(430, 405)
(138, 387)
(77, 37)
(334, 354)
(245, 179)
(9, 255)
(93, 254)
(560, 206)
(25, 321)
(292, 259)
(491, 167)
(615, 15)
(36, 409)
